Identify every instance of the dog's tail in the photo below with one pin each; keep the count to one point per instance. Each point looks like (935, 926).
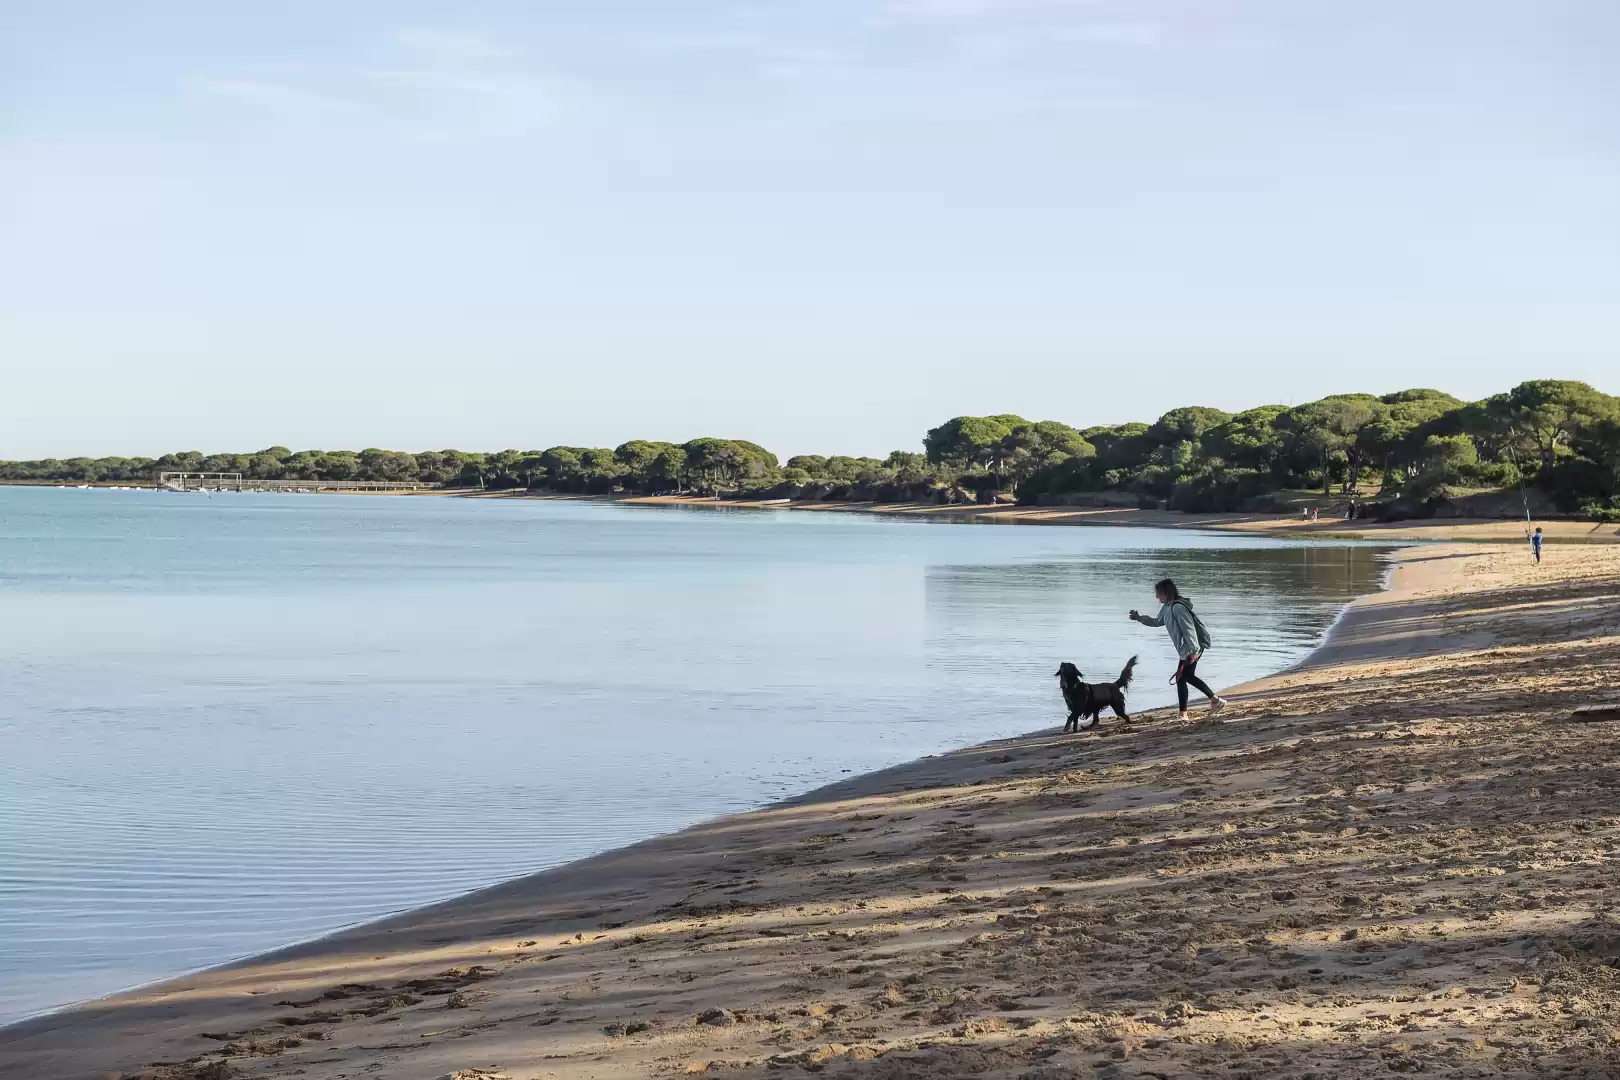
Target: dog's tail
(1125, 676)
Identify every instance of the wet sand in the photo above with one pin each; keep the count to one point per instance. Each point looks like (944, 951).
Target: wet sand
(1396, 858)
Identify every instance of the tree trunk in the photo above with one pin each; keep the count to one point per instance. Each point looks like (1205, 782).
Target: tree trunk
(1548, 448)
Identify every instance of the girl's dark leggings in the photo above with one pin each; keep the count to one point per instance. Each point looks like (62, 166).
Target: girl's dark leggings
(1188, 673)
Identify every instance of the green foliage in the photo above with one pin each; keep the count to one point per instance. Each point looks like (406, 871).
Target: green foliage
(907, 467)
(969, 440)
(1188, 424)
(1547, 414)
(1324, 433)
(1029, 448)
(1400, 423)
(1446, 462)
(1564, 436)
(1120, 449)
(717, 465)
(650, 467)
(1250, 440)
(572, 469)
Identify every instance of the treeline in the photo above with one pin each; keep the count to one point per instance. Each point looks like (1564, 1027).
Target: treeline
(1398, 452)
(708, 466)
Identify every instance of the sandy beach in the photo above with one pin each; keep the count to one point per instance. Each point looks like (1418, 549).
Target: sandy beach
(1396, 858)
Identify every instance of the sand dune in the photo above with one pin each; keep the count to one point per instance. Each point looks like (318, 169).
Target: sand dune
(1397, 858)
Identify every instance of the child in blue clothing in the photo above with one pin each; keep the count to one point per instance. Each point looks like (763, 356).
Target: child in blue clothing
(1535, 543)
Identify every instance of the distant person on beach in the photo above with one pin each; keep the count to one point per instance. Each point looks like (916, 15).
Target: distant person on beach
(1189, 637)
(1535, 543)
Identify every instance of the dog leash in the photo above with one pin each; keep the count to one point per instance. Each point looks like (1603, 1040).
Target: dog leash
(1182, 666)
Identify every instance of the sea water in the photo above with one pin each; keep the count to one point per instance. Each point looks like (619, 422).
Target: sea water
(235, 721)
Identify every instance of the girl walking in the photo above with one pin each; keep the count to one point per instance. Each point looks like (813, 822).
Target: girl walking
(1189, 637)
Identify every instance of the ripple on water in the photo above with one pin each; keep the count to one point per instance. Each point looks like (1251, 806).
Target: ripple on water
(240, 722)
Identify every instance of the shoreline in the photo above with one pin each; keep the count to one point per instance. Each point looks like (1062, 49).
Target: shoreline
(754, 885)
(1444, 530)
(293, 948)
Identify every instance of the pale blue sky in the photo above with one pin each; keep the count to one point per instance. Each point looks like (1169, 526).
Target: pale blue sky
(824, 226)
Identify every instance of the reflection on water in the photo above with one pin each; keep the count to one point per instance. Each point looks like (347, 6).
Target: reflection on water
(236, 721)
(995, 630)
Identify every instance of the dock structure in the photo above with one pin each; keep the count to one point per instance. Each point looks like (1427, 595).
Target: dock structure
(235, 481)
(199, 481)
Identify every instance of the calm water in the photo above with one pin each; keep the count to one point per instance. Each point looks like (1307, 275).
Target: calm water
(232, 722)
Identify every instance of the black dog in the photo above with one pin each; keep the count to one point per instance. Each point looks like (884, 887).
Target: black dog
(1090, 699)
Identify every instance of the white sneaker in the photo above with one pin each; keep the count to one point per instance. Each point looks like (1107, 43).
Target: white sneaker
(1216, 704)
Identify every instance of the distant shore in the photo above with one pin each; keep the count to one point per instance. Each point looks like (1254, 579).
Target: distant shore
(1393, 852)
(1455, 530)
(1442, 529)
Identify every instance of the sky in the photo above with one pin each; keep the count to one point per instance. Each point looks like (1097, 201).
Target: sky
(824, 226)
